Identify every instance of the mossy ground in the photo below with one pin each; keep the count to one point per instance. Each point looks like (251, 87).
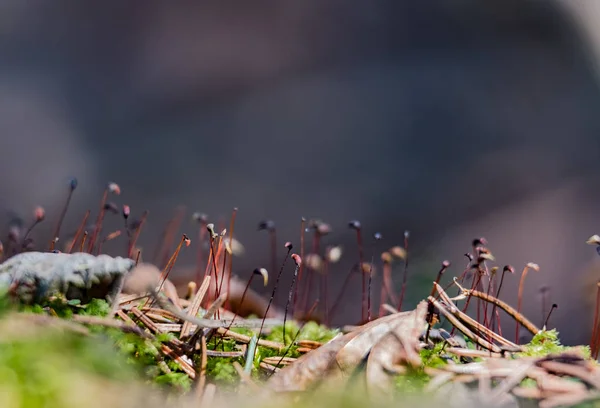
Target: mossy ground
(39, 365)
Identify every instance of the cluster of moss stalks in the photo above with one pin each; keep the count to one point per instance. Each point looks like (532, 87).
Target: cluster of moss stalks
(48, 366)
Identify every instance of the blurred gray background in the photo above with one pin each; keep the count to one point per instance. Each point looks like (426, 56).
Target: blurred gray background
(452, 119)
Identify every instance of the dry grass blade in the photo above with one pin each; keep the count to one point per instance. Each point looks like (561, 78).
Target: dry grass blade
(201, 382)
(212, 310)
(275, 361)
(511, 381)
(185, 366)
(550, 384)
(195, 307)
(569, 400)
(574, 371)
(462, 352)
(168, 327)
(213, 323)
(311, 344)
(246, 340)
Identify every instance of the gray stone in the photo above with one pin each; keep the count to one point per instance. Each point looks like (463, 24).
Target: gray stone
(34, 276)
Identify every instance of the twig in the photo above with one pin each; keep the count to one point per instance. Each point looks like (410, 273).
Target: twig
(245, 339)
(470, 321)
(502, 305)
(212, 323)
(201, 382)
(462, 328)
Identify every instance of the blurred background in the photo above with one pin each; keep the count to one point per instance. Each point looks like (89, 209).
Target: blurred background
(452, 119)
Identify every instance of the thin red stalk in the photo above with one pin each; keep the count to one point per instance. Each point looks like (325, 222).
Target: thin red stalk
(486, 322)
(495, 312)
(298, 262)
(201, 236)
(255, 272)
(273, 238)
(85, 234)
(63, 213)
(99, 220)
(171, 262)
(215, 265)
(298, 284)
(274, 290)
(230, 269)
(312, 308)
(210, 263)
(136, 235)
(554, 306)
(308, 287)
(108, 237)
(474, 284)
(520, 300)
(405, 273)
(593, 340)
(324, 290)
(384, 291)
(369, 291)
(445, 265)
(167, 269)
(339, 297)
(162, 255)
(490, 289)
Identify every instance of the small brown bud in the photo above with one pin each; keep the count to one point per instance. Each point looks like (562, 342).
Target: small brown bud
(114, 188)
(297, 259)
(39, 213)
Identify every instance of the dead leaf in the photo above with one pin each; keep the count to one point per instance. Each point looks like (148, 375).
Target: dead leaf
(340, 357)
(398, 347)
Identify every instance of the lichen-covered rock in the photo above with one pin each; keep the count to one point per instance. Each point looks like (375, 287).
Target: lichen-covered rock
(34, 276)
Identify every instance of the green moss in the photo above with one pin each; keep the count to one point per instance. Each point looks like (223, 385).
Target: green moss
(432, 357)
(309, 331)
(411, 382)
(40, 366)
(222, 372)
(547, 342)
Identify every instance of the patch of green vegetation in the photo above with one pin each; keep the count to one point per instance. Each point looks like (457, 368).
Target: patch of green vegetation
(432, 357)
(309, 331)
(38, 368)
(141, 355)
(415, 379)
(547, 342)
(411, 382)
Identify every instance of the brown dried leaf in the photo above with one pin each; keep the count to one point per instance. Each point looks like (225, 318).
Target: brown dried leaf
(341, 356)
(399, 346)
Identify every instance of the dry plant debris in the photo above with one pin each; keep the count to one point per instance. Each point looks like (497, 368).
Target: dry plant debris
(198, 349)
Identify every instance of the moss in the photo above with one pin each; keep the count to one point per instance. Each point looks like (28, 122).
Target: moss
(40, 366)
(309, 331)
(547, 342)
(411, 382)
